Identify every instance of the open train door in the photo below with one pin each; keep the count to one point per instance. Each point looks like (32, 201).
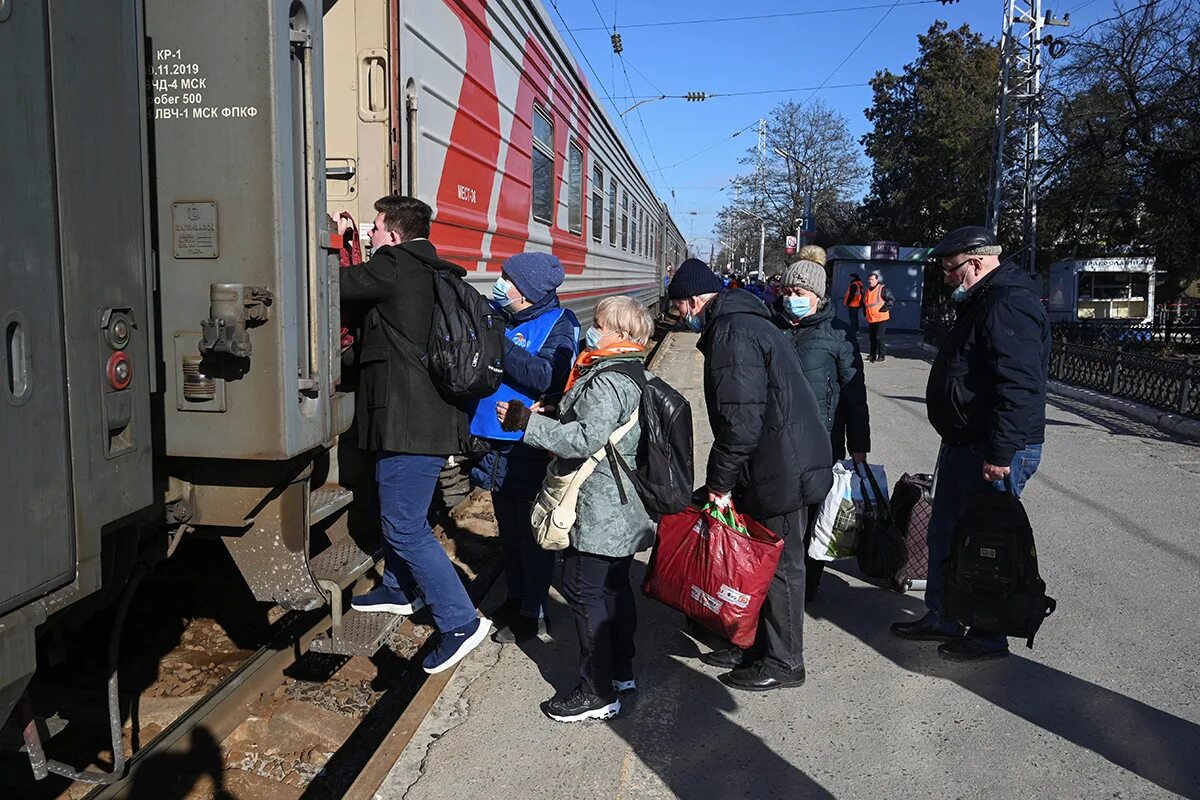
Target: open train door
(360, 99)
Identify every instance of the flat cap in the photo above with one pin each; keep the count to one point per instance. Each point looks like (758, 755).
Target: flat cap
(974, 240)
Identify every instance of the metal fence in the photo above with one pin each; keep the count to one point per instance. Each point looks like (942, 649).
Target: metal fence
(1157, 338)
(1172, 384)
(1167, 383)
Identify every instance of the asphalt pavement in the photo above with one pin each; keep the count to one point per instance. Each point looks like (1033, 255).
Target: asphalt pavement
(1107, 705)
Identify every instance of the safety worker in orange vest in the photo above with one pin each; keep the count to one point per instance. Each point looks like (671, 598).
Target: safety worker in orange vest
(877, 305)
(854, 300)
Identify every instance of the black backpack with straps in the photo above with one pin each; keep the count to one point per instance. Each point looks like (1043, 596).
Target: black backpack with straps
(665, 472)
(465, 351)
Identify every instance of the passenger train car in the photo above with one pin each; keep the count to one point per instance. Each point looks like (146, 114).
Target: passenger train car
(171, 363)
(495, 125)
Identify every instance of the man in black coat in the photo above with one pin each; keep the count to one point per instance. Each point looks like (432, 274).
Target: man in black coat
(986, 397)
(406, 421)
(770, 455)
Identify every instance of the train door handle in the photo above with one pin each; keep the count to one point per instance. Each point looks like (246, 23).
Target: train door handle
(373, 85)
(17, 375)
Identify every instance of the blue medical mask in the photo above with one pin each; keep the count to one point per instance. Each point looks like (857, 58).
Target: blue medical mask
(797, 307)
(592, 337)
(959, 294)
(500, 293)
(695, 323)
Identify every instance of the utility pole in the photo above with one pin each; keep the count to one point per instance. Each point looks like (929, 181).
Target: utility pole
(809, 189)
(1019, 103)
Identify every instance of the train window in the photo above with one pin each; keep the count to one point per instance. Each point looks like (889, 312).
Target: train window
(612, 212)
(633, 228)
(597, 202)
(543, 167)
(624, 220)
(574, 188)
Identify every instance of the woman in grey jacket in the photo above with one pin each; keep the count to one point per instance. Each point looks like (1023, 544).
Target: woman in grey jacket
(607, 533)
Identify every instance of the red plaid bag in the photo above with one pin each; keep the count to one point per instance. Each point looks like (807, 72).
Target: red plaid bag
(715, 566)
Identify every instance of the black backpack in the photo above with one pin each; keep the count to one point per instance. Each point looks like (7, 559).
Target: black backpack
(465, 354)
(992, 575)
(665, 473)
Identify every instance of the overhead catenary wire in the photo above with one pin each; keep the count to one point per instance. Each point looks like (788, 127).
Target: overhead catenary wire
(821, 86)
(756, 17)
(600, 82)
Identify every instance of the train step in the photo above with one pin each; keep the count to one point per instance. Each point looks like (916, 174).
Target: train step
(327, 501)
(357, 633)
(342, 563)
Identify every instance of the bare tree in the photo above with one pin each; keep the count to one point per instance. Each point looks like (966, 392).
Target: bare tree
(822, 157)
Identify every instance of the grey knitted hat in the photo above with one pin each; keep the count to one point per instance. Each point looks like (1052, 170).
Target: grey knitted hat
(804, 275)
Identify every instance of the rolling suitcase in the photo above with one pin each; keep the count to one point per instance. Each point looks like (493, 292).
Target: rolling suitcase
(912, 507)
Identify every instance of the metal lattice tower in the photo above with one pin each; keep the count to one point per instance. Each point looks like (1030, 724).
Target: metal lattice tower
(1018, 104)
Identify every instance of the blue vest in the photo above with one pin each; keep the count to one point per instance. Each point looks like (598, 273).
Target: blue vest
(529, 335)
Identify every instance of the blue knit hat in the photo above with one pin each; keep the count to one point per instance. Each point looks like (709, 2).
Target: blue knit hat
(693, 278)
(534, 274)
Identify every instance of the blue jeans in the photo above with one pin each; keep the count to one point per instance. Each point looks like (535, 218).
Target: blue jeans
(415, 562)
(959, 475)
(528, 568)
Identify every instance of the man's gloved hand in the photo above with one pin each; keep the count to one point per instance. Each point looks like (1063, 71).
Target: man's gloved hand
(513, 416)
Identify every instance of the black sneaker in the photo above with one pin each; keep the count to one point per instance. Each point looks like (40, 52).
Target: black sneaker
(521, 629)
(580, 704)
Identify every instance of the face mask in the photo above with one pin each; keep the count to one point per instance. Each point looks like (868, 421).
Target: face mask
(592, 338)
(500, 293)
(797, 307)
(959, 294)
(694, 323)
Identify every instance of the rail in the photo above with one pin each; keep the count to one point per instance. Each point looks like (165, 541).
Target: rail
(1170, 384)
(1144, 337)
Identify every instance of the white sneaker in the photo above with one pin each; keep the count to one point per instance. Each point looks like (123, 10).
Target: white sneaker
(620, 687)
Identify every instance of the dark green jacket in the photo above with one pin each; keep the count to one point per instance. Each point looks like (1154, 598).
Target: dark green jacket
(834, 368)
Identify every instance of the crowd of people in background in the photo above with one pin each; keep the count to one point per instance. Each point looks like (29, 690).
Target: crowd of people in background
(785, 396)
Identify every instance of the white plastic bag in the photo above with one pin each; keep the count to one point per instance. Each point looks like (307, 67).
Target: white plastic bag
(839, 518)
(835, 518)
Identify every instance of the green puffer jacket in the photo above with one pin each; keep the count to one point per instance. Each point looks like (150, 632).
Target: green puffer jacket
(600, 402)
(834, 368)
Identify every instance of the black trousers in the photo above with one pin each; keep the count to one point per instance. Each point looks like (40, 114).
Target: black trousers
(878, 329)
(780, 640)
(598, 591)
(855, 312)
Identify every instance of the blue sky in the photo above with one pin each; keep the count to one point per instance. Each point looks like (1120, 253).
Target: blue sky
(751, 55)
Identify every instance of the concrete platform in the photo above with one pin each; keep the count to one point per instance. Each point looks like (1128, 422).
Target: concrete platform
(1108, 705)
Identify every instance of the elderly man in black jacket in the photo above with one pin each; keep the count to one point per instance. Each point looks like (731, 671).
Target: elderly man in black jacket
(986, 397)
(770, 455)
(406, 421)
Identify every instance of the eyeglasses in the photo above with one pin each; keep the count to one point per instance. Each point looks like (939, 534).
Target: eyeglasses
(959, 265)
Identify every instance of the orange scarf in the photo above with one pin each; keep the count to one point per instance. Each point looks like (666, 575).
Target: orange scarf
(588, 357)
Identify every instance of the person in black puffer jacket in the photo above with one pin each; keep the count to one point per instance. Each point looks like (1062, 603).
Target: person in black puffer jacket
(986, 398)
(770, 454)
(833, 367)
